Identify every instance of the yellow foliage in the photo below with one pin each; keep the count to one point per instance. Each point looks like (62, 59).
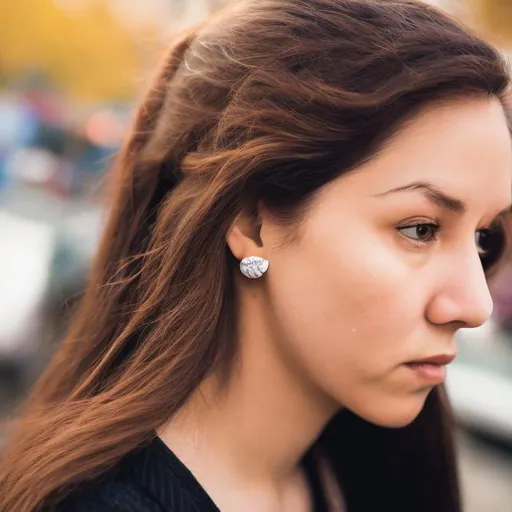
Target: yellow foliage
(86, 52)
(495, 17)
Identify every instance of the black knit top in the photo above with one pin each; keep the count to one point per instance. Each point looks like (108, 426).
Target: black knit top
(153, 479)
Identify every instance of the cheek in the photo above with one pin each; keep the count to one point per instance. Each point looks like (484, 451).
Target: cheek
(346, 315)
(334, 297)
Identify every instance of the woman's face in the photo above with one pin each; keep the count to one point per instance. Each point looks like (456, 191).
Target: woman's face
(387, 267)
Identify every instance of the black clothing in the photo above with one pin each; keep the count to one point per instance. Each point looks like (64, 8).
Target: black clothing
(153, 479)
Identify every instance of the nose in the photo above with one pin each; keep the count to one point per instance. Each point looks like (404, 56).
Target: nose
(463, 296)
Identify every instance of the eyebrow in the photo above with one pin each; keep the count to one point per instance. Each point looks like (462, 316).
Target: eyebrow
(434, 195)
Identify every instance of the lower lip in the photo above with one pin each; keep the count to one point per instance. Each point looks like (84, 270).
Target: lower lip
(433, 373)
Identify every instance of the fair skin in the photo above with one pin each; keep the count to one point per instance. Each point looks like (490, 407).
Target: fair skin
(343, 307)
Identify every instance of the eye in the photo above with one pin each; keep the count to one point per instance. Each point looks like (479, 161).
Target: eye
(490, 245)
(420, 232)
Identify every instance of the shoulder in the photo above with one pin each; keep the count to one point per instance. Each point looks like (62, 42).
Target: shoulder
(150, 479)
(112, 495)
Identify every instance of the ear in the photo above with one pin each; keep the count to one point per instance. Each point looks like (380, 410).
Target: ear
(244, 235)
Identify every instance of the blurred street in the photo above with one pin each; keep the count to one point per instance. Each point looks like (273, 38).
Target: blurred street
(486, 473)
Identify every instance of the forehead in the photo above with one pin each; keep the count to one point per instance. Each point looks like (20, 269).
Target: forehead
(463, 146)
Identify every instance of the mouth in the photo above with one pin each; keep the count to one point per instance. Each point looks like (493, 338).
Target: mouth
(431, 369)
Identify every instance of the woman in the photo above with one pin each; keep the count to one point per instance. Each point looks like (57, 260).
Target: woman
(303, 216)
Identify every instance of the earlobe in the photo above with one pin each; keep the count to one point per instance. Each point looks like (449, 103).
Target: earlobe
(245, 243)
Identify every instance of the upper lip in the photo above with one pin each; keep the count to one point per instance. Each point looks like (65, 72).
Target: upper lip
(440, 359)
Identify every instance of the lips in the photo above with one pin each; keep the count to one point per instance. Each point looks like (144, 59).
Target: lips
(432, 369)
(440, 360)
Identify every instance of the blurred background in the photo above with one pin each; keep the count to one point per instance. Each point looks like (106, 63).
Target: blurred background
(70, 73)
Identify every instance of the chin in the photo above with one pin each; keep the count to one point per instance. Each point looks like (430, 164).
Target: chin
(395, 413)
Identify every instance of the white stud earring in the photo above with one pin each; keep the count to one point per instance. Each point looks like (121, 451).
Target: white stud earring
(253, 267)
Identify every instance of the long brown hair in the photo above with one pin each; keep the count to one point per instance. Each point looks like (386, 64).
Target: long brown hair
(267, 101)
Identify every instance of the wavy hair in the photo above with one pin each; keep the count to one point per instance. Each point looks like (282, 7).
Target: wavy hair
(268, 100)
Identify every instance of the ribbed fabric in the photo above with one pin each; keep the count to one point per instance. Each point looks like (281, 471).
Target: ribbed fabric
(153, 479)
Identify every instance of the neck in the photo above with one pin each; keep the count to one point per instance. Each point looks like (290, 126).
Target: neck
(257, 428)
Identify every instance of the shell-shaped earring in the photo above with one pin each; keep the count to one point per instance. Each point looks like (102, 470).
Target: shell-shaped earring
(253, 267)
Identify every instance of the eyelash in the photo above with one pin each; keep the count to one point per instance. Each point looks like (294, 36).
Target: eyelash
(488, 257)
(434, 227)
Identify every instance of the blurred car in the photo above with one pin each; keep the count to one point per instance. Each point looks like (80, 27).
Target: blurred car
(47, 246)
